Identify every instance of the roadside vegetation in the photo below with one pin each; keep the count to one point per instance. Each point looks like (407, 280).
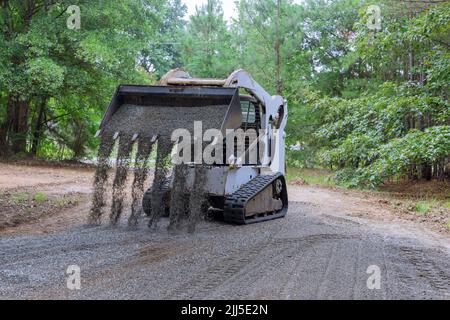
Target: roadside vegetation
(302, 176)
(425, 201)
(23, 206)
(368, 97)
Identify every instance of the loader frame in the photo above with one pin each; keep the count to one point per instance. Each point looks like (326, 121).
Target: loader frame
(275, 115)
(238, 189)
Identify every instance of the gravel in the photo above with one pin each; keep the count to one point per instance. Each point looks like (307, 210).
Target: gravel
(307, 255)
(145, 123)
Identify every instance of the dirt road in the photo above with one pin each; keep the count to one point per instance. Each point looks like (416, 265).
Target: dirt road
(322, 250)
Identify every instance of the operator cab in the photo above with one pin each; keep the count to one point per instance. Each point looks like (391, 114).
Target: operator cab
(251, 113)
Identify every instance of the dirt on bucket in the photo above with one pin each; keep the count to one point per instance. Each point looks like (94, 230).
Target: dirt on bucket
(147, 126)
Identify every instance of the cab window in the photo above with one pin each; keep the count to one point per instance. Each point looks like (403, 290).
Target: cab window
(248, 112)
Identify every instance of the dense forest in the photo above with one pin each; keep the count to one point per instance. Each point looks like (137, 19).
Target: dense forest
(367, 81)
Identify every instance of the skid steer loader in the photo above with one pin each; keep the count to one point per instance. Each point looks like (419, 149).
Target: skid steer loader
(240, 190)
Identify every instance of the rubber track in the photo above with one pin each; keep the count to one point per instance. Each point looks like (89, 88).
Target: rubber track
(235, 204)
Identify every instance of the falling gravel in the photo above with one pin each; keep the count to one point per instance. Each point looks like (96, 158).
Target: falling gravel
(122, 163)
(165, 147)
(179, 204)
(101, 177)
(198, 199)
(145, 147)
(145, 126)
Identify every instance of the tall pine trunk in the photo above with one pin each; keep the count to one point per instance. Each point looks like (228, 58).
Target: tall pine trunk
(37, 132)
(277, 48)
(14, 130)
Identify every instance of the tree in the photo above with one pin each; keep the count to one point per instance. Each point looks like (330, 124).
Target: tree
(374, 104)
(207, 44)
(46, 65)
(162, 53)
(267, 35)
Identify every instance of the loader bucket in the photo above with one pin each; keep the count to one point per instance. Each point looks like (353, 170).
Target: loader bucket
(177, 105)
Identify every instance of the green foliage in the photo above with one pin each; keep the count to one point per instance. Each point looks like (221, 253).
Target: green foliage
(423, 207)
(397, 125)
(61, 202)
(19, 198)
(311, 176)
(45, 76)
(67, 77)
(206, 44)
(368, 139)
(40, 197)
(267, 36)
(447, 225)
(370, 105)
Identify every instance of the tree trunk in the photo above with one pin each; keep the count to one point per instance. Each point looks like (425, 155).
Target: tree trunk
(79, 141)
(427, 171)
(278, 51)
(38, 128)
(444, 169)
(15, 128)
(4, 150)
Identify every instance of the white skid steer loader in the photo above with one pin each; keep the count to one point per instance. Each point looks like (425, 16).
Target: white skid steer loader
(241, 190)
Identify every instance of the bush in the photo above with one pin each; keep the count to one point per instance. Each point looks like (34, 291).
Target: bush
(40, 197)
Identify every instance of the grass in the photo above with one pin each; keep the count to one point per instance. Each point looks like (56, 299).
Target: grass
(23, 197)
(61, 202)
(423, 207)
(447, 205)
(447, 226)
(40, 197)
(311, 176)
(19, 198)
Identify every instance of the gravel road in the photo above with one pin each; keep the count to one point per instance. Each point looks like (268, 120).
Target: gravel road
(312, 254)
